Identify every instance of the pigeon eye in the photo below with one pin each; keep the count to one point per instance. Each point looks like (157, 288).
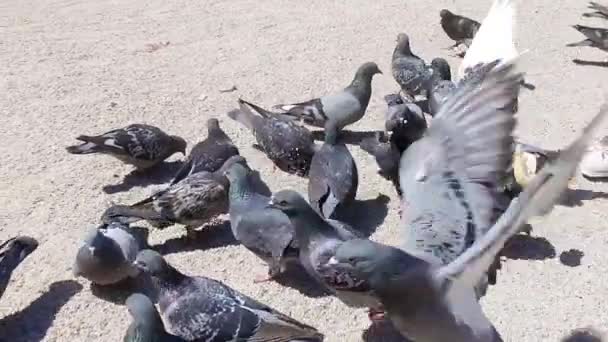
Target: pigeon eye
(283, 203)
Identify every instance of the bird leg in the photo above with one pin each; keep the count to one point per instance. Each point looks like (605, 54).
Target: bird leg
(376, 314)
(190, 233)
(274, 268)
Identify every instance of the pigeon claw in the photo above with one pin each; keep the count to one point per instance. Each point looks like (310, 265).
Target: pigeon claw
(376, 315)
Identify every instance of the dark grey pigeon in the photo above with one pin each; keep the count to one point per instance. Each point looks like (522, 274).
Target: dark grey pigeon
(107, 255)
(210, 154)
(412, 73)
(404, 121)
(332, 179)
(335, 111)
(193, 201)
(596, 37)
(12, 253)
(147, 326)
(318, 240)
(436, 302)
(203, 309)
(289, 145)
(460, 29)
(600, 11)
(387, 157)
(266, 232)
(450, 176)
(142, 146)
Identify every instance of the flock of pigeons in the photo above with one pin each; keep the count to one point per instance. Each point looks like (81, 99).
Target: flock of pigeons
(466, 187)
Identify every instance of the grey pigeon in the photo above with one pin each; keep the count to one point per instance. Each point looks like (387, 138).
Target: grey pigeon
(147, 326)
(203, 309)
(333, 178)
(193, 201)
(289, 145)
(266, 232)
(404, 121)
(596, 37)
(12, 253)
(142, 146)
(210, 154)
(387, 156)
(600, 11)
(449, 177)
(107, 255)
(460, 29)
(436, 302)
(318, 240)
(412, 73)
(335, 111)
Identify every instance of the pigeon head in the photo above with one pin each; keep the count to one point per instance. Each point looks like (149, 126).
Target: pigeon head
(367, 71)
(212, 124)
(151, 262)
(142, 309)
(289, 202)
(179, 144)
(362, 255)
(444, 13)
(232, 161)
(236, 173)
(403, 43)
(442, 68)
(18, 248)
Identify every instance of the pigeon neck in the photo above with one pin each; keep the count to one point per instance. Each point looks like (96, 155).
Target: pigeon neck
(170, 278)
(308, 224)
(240, 189)
(361, 87)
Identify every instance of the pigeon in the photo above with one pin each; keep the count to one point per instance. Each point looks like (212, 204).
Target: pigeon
(601, 11)
(332, 179)
(449, 177)
(494, 39)
(432, 301)
(12, 253)
(334, 112)
(387, 157)
(411, 72)
(289, 145)
(193, 201)
(439, 94)
(203, 309)
(107, 255)
(596, 37)
(147, 326)
(318, 240)
(460, 29)
(142, 146)
(266, 232)
(404, 120)
(210, 154)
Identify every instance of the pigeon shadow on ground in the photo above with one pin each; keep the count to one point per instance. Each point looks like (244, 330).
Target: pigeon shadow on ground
(160, 174)
(208, 237)
(383, 331)
(364, 216)
(528, 247)
(119, 292)
(296, 277)
(571, 257)
(577, 197)
(590, 63)
(583, 335)
(346, 136)
(31, 324)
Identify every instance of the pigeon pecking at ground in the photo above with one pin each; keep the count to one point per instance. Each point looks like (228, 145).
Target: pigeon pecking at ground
(335, 111)
(142, 146)
(210, 154)
(460, 29)
(267, 232)
(333, 178)
(203, 309)
(146, 326)
(404, 121)
(193, 201)
(431, 301)
(596, 37)
(12, 253)
(107, 255)
(600, 11)
(289, 145)
(411, 72)
(318, 240)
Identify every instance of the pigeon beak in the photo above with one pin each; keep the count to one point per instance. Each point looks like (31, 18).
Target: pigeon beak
(332, 261)
(271, 203)
(140, 266)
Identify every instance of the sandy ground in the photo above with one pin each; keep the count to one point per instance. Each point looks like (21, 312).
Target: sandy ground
(76, 67)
